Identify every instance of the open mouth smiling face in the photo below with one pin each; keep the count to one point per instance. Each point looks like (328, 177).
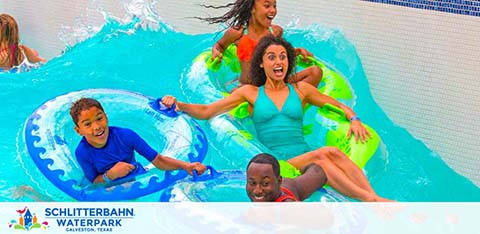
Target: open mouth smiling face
(93, 125)
(262, 184)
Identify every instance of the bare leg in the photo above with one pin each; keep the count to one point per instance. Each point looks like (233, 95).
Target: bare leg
(312, 75)
(337, 177)
(347, 166)
(244, 75)
(351, 170)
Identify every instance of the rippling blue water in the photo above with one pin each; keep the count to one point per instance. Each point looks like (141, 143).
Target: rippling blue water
(125, 56)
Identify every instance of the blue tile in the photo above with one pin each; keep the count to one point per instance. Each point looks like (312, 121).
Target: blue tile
(464, 7)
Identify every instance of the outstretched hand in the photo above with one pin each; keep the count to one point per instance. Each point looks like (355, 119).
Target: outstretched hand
(359, 131)
(200, 168)
(168, 101)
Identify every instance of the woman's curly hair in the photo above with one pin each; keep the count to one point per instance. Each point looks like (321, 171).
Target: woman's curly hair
(257, 73)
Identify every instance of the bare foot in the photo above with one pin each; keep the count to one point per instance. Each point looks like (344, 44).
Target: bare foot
(375, 198)
(382, 199)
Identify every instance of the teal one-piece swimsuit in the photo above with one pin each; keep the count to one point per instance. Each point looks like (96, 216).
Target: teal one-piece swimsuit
(280, 130)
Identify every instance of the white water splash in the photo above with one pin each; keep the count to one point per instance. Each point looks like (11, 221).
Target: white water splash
(142, 13)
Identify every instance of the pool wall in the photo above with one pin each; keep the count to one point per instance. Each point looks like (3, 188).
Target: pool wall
(421, 58)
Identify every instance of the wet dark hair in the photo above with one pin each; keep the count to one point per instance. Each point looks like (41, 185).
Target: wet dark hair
(237, 16)
(265, 158)
(257, 73)
(81, 105)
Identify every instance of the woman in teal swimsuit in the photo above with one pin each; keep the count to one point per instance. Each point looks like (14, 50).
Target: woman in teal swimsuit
(277, 111)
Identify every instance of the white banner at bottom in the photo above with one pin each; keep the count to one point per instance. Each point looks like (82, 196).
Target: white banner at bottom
(188, 217)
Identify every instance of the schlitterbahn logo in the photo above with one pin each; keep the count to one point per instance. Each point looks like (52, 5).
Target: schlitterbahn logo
(26, 221)
(76, 219)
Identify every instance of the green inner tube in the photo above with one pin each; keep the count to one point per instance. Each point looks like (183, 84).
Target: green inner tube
(287, 170)
(332, 84)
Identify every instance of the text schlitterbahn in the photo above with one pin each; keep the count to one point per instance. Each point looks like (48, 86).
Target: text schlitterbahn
(89, 219)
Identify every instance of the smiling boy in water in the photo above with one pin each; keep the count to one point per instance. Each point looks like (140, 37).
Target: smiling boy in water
(106, 153)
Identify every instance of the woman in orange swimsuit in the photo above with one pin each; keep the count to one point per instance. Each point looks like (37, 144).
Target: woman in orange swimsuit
(249, 21)
(11, 52)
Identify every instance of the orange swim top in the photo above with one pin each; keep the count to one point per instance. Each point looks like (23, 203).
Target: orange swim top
(246, 46)
(288, 195)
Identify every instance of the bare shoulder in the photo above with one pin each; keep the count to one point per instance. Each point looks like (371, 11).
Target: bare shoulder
(277, 30)
(249, 92)
(293, 186)
(245, 89)
(305, 90)
(290, 184)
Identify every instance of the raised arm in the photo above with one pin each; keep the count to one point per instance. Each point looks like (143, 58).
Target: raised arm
(229, 37)
(207, 111)
(167, 163)
(32, 55)
(312, 96)
(313, 177)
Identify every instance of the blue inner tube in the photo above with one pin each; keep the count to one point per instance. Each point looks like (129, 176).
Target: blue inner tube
(51, 141)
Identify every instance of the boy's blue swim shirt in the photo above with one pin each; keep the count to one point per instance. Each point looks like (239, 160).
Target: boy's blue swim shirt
(121, 146)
